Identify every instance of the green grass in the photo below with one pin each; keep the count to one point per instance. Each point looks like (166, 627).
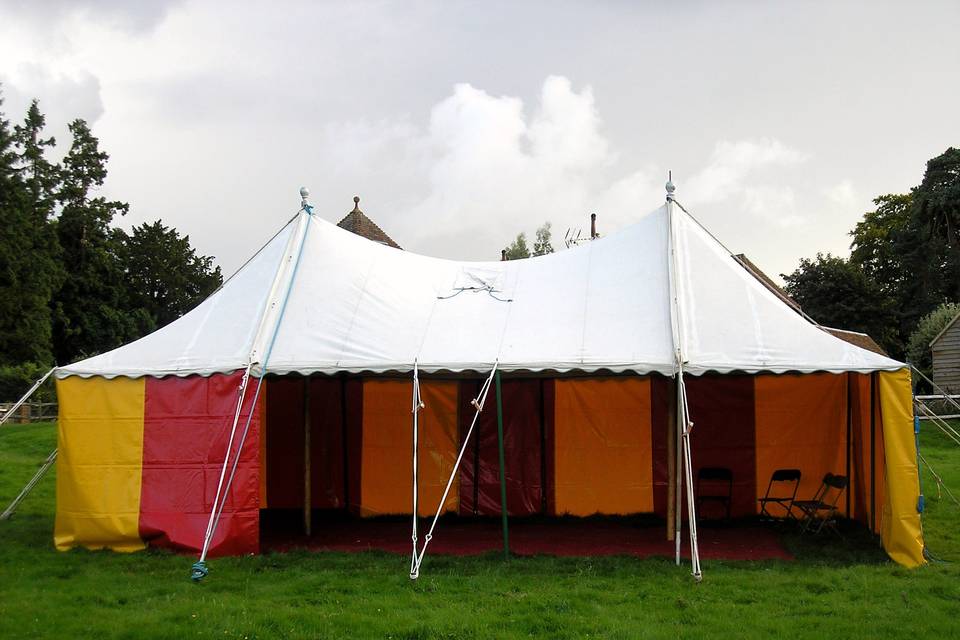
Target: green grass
(834, 589)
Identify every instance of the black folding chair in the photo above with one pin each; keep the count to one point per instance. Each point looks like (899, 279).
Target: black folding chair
(784, 493)
(822, 508)
(714, 485)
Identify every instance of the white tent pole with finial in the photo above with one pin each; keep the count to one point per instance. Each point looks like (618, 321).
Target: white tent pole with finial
(684, 464)
(262, 344)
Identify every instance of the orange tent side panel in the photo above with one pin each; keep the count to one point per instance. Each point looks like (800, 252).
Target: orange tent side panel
(99, 466)
(386, 457)
(801, 423)
(603, 446)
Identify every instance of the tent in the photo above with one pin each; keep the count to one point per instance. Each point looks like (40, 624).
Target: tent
(621, 366)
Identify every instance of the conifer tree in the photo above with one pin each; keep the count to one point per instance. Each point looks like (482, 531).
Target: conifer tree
(89, 314)
(41, 273)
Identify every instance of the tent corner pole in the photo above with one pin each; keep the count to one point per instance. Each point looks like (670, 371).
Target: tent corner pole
(873, 452)
(503, 471)
(671, 467)
(307, 497)
(199, 569)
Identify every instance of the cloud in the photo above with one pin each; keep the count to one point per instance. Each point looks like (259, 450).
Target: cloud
(63, 97)
(486, 167)
(137, 17)
(842, 194)
(778, 204)
(732, 162)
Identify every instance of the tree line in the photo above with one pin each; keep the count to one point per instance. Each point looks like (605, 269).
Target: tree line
(73, 285)
(901, 283)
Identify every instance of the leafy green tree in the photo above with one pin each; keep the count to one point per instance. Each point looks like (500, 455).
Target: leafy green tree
(918, 347)
(873, 246)
(543, 244)
(837, 293)
(518, 248)
(164, 275)
(930, 243)
(41, 273)
(90, 317)
(13, 215)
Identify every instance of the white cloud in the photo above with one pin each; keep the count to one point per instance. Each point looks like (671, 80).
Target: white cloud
(778, 204)
(486, 167)
(842, 194)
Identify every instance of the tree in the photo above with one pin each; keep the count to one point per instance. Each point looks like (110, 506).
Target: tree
(13, 215)
(89, 314)
(38, 254)
(518, 248)
(873, 246)
(542, 245)
(837, 293)
(930, 243)
(165, 277)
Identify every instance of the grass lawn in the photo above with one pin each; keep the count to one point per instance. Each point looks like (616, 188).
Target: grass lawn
(833, 590)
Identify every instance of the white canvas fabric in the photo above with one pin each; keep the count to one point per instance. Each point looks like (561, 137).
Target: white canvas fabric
(351, 305)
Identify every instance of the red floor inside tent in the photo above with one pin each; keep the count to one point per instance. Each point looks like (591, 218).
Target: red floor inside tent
(559, 537)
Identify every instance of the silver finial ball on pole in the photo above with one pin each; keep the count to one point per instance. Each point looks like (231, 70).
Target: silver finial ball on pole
(670, 187)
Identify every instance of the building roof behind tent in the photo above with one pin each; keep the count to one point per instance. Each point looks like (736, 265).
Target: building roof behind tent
(945, 329)
(357, 222)
(857, 338)
(767, 281)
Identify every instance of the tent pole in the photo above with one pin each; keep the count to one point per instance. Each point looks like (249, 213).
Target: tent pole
(688, 475)
(849, 432)
(417, 404)
(307, 498)
(671, 468)
(344, 443)
(199, 569)
(503, 471)
(678, 470)
(873, 453)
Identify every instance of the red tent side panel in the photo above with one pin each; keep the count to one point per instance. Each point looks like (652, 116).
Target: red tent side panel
(327, 460)
(863, 482)
(549, 401)
(284, 443)
(283, 439)
(187, 424)
(523, 445)
(722, 410)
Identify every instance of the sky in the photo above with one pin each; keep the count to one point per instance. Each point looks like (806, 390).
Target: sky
(460, 124)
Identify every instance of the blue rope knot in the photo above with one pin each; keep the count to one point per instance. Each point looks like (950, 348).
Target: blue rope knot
(199, 571)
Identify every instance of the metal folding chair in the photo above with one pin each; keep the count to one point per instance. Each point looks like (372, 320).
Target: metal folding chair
(715, 484)
(783, 495)
(822, 508)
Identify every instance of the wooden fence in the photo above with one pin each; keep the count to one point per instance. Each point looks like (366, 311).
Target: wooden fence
(30, 412)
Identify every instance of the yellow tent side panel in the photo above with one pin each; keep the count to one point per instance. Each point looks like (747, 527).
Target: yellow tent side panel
(100, 463)
(386, 464)
(603, 446)
(900, 530)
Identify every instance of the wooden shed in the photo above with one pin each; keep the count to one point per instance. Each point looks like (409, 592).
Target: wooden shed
(946, 357)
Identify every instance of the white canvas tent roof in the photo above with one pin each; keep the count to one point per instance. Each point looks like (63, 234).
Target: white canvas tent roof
(318, 299)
